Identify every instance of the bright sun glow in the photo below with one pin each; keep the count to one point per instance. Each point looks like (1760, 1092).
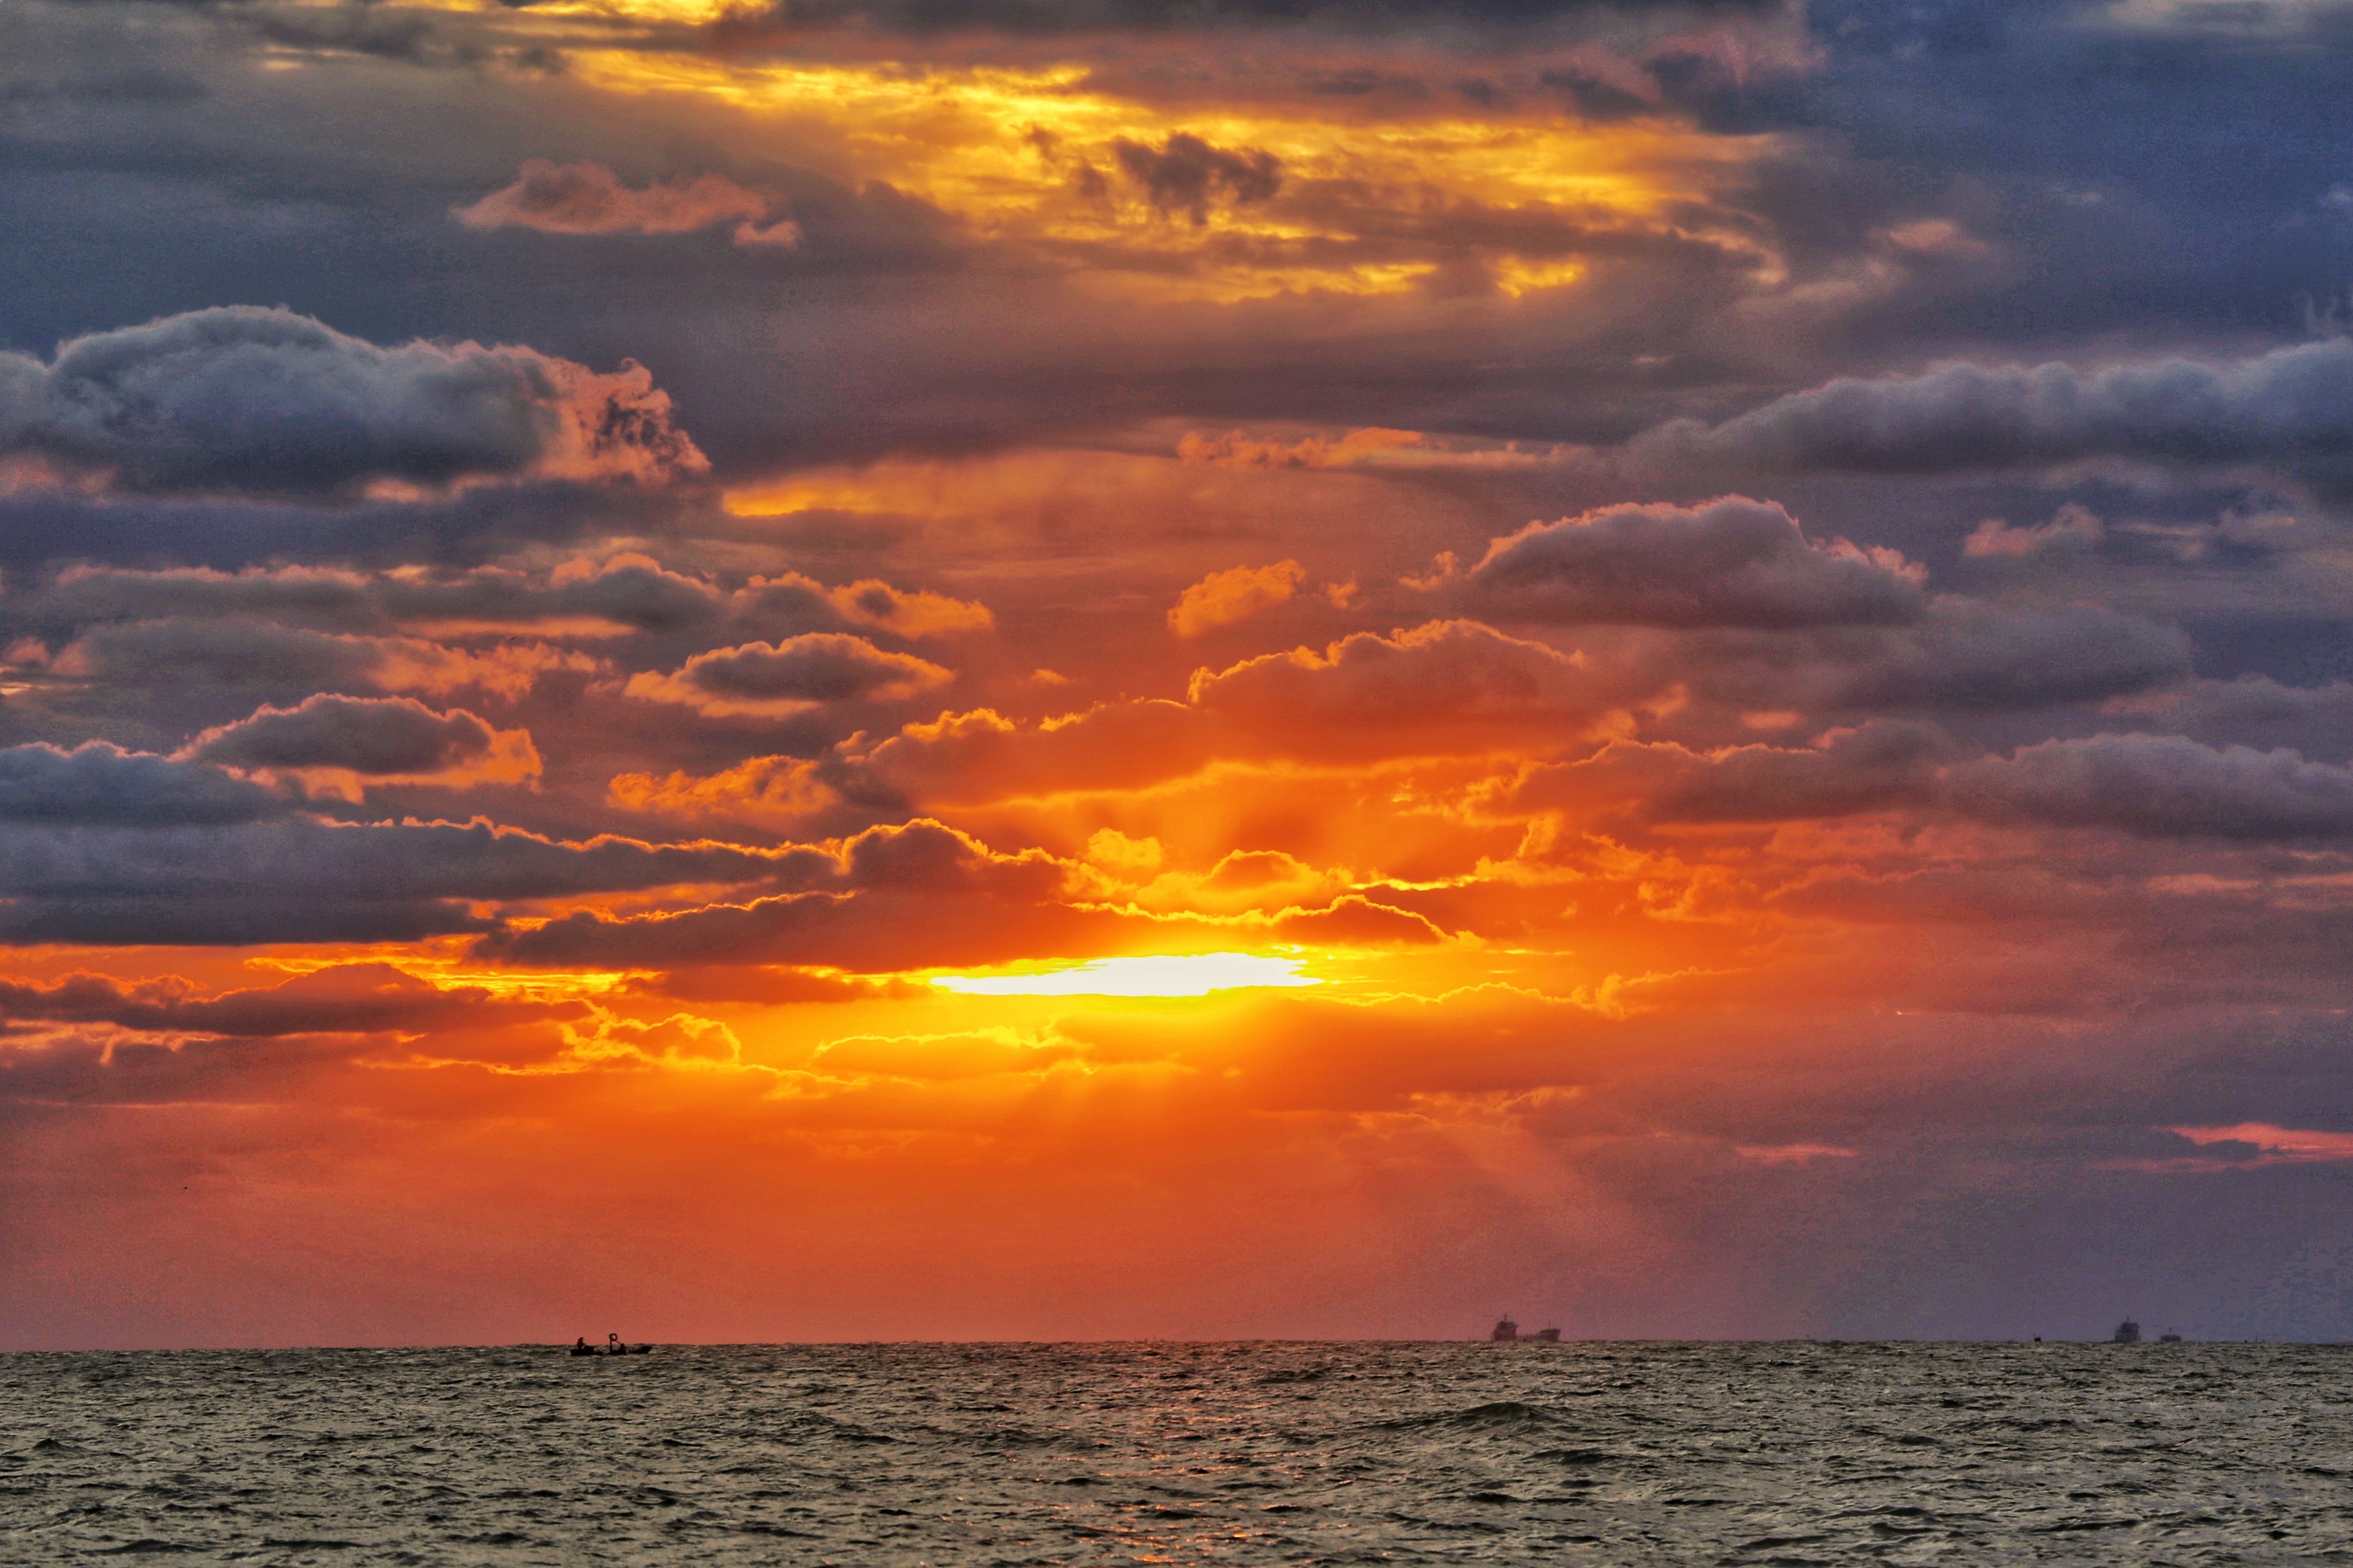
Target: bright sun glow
(1033, 157)
(1194, 975)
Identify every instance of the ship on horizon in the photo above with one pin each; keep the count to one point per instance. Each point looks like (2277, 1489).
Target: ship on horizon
(1508, 1333)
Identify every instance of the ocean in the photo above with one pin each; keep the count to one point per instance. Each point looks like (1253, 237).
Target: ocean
(1227, 1453)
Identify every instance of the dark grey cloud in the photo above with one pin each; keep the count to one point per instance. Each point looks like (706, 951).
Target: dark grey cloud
(1881, 765)
(837, 669)
(242, 399)
(1966, 654)
(899, 896)
(135, 86)
(1186, 175)
(630, 592)
(372, 736)
(636, 593)
(815, 668)
(339, 601)
(140, 655)
(803, 929)
(2258, 712)
(102, 784)
(44, 528)
(2291, 408)
(2173, 204)
(1731, 563)
(365, 29)
(2149, 786)
(1601, 94)
(2160, 786)
(1962, 657)
(83, 879)
(109, 847)
(2149, 175)
(360, 998)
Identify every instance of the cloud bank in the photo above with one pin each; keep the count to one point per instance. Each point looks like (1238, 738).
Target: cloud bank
(236, 398)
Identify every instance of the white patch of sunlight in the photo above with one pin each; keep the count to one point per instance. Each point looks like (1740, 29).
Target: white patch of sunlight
(1195, 974)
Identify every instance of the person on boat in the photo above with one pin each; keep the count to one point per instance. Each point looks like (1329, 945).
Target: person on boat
(581, 1343)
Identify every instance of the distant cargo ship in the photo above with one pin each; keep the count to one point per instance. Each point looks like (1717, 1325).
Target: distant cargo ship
(2127, 1333)
(1508, 1333)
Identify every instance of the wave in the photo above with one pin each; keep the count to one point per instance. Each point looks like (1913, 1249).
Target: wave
(1500, 1415)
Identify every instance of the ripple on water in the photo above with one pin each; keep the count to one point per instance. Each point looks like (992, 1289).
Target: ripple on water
(1229, 1454)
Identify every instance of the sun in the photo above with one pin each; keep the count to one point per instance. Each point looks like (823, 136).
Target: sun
(1192, 974)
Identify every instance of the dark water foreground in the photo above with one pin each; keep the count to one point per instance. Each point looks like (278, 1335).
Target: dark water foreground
(1172, 1453)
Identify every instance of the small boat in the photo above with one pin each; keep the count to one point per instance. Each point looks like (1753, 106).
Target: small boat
(612, 1346)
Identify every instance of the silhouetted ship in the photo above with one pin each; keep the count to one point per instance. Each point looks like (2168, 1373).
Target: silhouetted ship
(1508, 1333)
(612, 1346)
(2127, 1333)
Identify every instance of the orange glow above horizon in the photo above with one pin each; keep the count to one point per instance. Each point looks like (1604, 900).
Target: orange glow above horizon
(1277, 656)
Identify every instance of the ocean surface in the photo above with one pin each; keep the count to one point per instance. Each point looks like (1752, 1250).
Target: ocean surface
(1293, 1453)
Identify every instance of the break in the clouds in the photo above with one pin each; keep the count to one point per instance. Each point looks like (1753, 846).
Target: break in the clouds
(1680, 665)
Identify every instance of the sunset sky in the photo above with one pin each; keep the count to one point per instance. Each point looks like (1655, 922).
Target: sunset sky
(1072, 669)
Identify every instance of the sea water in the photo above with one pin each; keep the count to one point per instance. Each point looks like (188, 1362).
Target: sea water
(1293, 1453)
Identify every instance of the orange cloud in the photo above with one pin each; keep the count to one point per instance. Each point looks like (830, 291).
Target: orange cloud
(1237, 450)
(1792, 1153)
(758, 789)
(2274, 1145)
(1994, 538)
(585, 198)
(1224, 597)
